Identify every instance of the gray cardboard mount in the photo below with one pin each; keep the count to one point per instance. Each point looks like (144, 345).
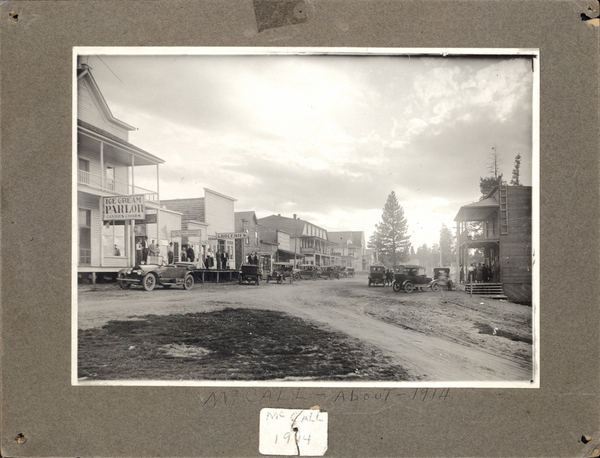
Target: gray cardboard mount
(43, 415)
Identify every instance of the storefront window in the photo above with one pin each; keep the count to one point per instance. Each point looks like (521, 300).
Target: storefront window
(113, 238)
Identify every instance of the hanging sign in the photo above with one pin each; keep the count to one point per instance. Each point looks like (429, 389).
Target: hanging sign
(190, 233)
(231, 235)
(123, 208)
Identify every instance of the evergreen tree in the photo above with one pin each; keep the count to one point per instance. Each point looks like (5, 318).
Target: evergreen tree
(390, 238)
(516, 172)
(446, 246)
(488, 183)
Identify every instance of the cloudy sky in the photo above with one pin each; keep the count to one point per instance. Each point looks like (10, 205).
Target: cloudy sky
(326, 137)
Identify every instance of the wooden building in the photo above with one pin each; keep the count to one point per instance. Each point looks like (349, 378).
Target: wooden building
(502, 233)
(351, 249)
(107, 169)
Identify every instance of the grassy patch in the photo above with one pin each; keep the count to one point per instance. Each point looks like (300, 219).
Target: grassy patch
(487, 329)
(229, 344)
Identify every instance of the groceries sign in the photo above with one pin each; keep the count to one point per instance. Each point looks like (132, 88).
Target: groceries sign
(123, 208)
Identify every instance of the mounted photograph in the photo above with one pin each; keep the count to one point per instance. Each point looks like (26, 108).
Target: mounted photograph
(305, 217)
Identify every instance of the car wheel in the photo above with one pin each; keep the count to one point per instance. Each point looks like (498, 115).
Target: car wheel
(369, 282)
(188, 283)
(279, 280)
(396, 286)
(435, 287)
(123, 284)
(409, 287)
(149, 282)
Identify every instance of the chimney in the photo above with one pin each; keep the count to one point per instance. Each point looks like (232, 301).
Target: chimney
(294, 216)
(278, 214)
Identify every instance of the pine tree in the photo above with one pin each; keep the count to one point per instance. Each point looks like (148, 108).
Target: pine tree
(446, 246)
(516, 172)
(390, 238)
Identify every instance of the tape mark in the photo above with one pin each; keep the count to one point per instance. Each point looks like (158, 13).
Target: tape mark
(271, 14)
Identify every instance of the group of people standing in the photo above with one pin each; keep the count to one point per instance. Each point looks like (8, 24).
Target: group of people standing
(252, 258)
(478, 273)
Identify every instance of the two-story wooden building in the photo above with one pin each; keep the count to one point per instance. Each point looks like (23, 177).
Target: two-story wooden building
(350, 249)
(107, 166)
(503, 235)
(307, 241)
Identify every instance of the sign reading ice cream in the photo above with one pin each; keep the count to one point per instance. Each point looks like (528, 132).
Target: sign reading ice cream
(123, 208)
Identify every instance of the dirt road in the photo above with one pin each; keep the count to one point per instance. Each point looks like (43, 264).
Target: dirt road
(466, 339)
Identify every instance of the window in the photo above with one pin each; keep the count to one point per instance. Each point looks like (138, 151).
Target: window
(255, 237)
(113, 238)
(84, 221)
(83, 174)
(110, 178)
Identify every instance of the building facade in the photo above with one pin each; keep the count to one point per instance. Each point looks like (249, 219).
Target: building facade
(502, 234)
(308, 241)
(350, 248)
(215, 213)
(109, 224)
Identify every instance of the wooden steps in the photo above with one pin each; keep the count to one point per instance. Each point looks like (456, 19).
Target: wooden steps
(485, 289)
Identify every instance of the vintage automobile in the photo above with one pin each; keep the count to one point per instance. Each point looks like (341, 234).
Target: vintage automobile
(309, 272)
(249, 274)
(150, 275)
(342, 271)
(330, 272)
(350, 271)
(377, 275)
(281, 271)
(410, 277)
(436, 274)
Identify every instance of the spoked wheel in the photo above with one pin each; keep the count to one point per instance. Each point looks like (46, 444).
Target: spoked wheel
(435, 287)
(149, 282)
(409, 287)
(396, 287)
(188, 282)
(279, 280)
(123, 284)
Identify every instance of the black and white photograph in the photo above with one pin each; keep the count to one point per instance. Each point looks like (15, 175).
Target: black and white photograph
(303, 217)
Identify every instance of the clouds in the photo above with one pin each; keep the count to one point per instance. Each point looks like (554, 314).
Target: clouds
(326, 136)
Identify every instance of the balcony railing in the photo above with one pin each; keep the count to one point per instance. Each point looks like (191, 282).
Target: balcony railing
(118, 187)
(467, 237)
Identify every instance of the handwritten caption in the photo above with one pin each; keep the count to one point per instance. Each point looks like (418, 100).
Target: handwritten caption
(216, 399)
(293, 432)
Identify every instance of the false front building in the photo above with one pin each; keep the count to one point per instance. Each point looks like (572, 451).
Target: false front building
(502, 233)
(114, 213)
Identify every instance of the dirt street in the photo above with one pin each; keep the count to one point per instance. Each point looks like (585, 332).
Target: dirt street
(466, 339)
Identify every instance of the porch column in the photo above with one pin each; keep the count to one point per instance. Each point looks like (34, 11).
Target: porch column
(132, 174)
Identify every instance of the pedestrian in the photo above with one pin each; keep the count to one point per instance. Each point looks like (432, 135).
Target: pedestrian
(117, 251)
(479, 273)
(249, 258)
(486, 273)
(139, 254)
(190, 253)
(255, 259)
(145, 250)
(462, 274)
(471, 273)
(443, 284)
(152, 249)
(223, 260)
(170, 253)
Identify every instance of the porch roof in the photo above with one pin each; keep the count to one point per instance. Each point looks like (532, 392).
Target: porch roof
(477, 211)
(116, 144)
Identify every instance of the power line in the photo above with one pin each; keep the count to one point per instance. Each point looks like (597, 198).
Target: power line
(109, 68)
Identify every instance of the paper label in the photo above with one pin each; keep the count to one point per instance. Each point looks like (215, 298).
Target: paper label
(293, 432)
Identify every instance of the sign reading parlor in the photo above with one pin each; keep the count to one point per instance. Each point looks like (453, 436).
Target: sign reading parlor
(123, 208)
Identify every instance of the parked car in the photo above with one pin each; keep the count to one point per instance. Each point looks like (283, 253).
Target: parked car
(150, 275)
(350, 271)
(309, 272)
(436, 274)
(411, 277)
(249, 274)
(281, 271)
(330, 272)
(342, 271)
(377, 275)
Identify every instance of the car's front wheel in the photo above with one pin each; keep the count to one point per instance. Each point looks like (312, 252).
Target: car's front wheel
(188, 283)
(435, 287)
(396, 286)
(149, 282)
(409, 287)
(123, 284)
